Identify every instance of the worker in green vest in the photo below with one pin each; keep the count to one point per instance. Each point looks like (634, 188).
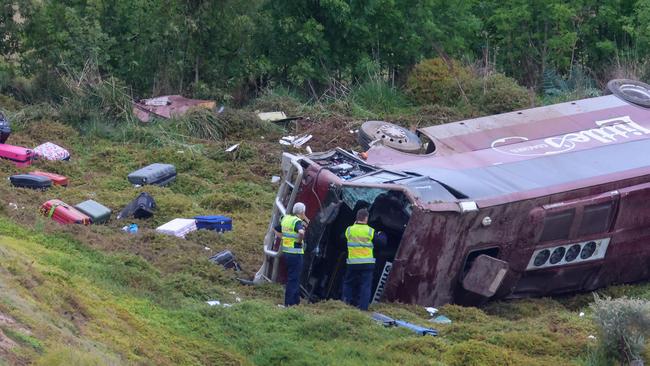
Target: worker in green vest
(292, 231)
(361, 240)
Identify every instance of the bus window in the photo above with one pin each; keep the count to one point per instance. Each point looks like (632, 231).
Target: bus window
(596, 219)
(557, 225)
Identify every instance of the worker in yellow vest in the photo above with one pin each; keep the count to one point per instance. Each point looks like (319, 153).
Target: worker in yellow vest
(292, 231)
(361, 240)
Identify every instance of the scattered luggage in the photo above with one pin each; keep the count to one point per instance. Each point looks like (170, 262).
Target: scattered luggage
(178, 227)
(98, 213)
(226, 259)
(20, 156)
(51, 151)
(57, 180)
(155, 174)
(216, 223)
(142, 207)
(62, 213)
(30, 181)
(5, 128)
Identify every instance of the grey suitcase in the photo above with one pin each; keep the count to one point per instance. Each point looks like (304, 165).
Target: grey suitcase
(97, 212)
(156, 174)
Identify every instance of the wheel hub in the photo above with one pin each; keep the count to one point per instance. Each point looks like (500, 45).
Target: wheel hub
(392, 133)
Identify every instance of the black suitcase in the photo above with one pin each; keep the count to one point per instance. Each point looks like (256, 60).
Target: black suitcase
(30, 181)
(142, 207)
(5, 128)
(226, 259)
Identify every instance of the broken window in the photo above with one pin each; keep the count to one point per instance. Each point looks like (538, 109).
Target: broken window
(389, 213)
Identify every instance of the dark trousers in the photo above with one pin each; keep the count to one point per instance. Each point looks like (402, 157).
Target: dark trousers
(357, 285)
(294, 269)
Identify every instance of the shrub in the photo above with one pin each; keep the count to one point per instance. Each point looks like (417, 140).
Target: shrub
(624, 324)
(435, 81)
(497, 93)
(378, 96)
(278, 99)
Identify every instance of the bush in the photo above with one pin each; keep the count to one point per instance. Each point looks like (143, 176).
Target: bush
(378, 96)
(435, 81)
(497, 93)
(279, 99)
(624, 325)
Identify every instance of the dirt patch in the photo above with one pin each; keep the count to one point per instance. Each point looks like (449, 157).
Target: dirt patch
(7, 344)
(330, 132)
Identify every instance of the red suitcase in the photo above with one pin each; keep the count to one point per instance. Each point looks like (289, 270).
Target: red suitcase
(64, 214)
(21, 156)
(57, 180)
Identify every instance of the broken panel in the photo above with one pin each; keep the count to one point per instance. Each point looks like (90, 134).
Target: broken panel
(485, 275)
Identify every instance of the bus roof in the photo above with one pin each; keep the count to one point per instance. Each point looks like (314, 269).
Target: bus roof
(546, 149)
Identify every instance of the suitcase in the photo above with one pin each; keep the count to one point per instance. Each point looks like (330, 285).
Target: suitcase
(20, 156)
(142, 207)
(156, 174)
(97, 212)
(63, 214)
(226, 259)
(50, 151)
(30, 181)
(57, 180)
(178, 227)
(217, 223)
(5, 128)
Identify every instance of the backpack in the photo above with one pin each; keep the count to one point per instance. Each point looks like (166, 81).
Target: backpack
(142, 207)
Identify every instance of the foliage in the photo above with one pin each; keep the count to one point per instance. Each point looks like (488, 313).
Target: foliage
(497, 93)
(438, 80)
(624, 325)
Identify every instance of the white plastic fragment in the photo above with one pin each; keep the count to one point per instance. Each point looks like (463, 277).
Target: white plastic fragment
(302, 140)
(431, 310)
(238, 299)
(591, 337)
(206, 248)
(272, 116)
(232, 148)
(275, 179)
(582, 314)
(213, 302)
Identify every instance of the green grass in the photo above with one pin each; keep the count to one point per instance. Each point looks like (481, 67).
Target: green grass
(95, 295)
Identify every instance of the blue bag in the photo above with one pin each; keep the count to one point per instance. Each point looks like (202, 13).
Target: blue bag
(217, 223)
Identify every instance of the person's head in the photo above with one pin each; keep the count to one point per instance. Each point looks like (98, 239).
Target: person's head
(362, 216)
(298, 208)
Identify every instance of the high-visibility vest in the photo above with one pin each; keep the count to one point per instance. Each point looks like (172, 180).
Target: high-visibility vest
(290, 235)
(359, 237)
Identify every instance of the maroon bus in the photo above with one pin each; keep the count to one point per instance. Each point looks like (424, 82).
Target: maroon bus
(536, 202)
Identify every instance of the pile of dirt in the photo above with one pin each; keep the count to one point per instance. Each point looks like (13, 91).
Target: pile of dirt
(330, 132)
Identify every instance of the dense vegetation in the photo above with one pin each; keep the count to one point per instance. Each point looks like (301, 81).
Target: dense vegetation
(95, 295)
(230, 49)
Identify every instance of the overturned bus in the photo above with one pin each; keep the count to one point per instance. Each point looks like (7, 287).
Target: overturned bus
(536, 202)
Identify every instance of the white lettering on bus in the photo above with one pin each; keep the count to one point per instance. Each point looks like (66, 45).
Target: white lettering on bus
(608, 131)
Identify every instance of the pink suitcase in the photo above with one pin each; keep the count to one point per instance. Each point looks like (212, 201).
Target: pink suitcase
(21, 156)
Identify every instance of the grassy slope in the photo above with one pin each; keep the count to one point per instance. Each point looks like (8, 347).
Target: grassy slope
(86, 295)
